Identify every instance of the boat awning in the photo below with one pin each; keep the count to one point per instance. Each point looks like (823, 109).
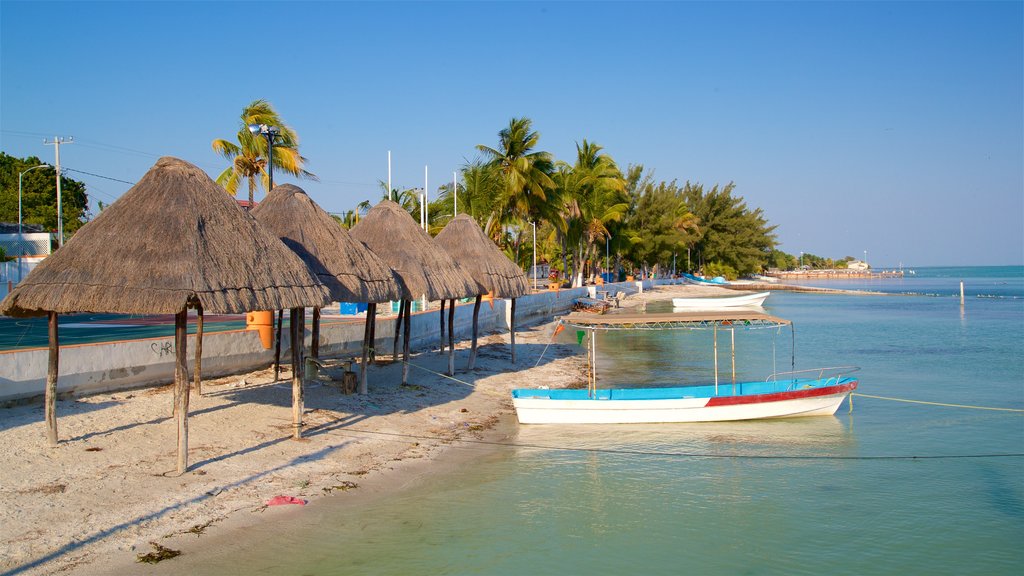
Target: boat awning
(675, 320)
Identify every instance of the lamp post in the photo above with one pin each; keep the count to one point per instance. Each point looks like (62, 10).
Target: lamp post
(866, 259)
(21, 238)
(270, 132)
(606, 240)
(534, 256)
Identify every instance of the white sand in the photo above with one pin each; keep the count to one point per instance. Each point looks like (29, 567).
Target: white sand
(109, 488)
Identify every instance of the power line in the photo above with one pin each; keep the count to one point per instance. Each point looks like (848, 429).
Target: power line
(99, 176)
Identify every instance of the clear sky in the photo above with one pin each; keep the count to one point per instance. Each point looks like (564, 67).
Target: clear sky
(895, 128)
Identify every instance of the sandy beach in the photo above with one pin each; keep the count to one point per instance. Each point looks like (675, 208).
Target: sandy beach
(109, 489)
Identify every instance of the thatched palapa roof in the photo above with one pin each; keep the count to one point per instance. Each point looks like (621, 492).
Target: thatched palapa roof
(467, 244)
(173, 239)
(347, 267)
(423, 267)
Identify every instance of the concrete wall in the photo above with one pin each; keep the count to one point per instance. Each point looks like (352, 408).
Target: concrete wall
(93, 368)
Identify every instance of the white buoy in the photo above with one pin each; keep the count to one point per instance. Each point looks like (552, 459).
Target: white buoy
(961, 293)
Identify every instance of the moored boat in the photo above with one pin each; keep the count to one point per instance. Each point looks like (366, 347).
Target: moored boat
(817, 392)
(717, 302)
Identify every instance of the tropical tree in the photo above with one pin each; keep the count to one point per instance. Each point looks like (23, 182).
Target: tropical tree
(249, 155)
(732, 237)
(594, 197)
(526, 175)
(39, 195)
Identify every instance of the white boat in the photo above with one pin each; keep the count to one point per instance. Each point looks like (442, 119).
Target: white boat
(817, 392)
(719, 302)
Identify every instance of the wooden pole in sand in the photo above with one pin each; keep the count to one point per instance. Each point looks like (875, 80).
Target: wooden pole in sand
(314, 345)
(398, 327)
(51, 380)
(405, 347)
(181, 386)
(197, 378)
(476, 329)
(371, 311)
(512, 329)
(442, 325)
(297, 330)
(451, 338)
(277, 346)
(366, 348)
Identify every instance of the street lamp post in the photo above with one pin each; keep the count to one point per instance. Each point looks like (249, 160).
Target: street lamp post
(270, 132)
(21, 238)
(534, 256)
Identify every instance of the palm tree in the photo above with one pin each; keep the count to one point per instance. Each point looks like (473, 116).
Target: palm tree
(526, 174)
(249, 156)
(594, 198)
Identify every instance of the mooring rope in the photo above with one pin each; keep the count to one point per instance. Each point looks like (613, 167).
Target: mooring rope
(936, 403)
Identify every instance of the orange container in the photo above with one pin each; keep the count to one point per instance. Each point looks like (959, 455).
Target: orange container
(262, 321)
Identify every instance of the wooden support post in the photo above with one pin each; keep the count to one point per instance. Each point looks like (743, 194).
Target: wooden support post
(277, 346)
(314, 345)
(512, 329)
(476, 328)
(398, 326)
(441, 350)
(451, 338)
(297, 330)
(371, 312)
(405, 348)
(367, 329)
(197, 377)
(51, 380)
(181, 386)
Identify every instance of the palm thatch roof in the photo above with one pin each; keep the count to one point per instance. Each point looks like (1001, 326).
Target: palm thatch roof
(172, 240)
(347, 267)
(467, 244)
(423, 267)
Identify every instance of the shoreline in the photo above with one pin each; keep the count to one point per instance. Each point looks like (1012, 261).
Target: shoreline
(98, 500)
(107, 491)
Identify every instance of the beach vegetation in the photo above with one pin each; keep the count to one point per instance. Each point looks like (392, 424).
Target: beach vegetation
(39, 195)
(249, 154)
(591, 216)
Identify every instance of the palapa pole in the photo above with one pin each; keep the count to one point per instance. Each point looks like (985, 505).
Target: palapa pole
(512, 329)
(451, 339)
(297, 337)
(441, 315)
(398, 327)
(367, 330)
(476, 325)
(405, 346)
(277, 346)
(197, 377)
(314, 345)
(181, 385)
(371, 311)
(52, 370)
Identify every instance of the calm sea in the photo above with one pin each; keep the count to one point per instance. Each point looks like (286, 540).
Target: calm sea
(891, 488)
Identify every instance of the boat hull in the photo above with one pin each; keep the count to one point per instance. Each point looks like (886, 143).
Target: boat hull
(715, 303)
(760, 400)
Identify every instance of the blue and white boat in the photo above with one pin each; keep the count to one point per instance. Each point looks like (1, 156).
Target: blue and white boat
(817, 392)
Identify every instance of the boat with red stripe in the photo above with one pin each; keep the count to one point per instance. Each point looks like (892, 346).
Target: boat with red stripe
(816, 392)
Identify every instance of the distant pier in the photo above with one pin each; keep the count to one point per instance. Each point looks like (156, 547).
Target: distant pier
(834, 274)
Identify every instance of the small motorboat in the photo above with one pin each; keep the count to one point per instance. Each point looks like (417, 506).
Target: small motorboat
(817, 392)
(719, 302)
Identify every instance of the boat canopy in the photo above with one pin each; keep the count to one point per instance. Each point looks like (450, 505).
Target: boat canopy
(675, 320)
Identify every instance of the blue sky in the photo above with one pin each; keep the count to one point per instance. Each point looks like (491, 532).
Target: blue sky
(896, 128)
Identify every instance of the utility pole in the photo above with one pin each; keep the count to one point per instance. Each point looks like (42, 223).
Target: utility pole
(57, 141)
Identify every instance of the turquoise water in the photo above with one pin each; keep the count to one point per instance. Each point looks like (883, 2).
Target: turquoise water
(891, 488)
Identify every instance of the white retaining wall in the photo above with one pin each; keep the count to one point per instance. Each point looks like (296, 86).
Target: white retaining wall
(93, 368)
